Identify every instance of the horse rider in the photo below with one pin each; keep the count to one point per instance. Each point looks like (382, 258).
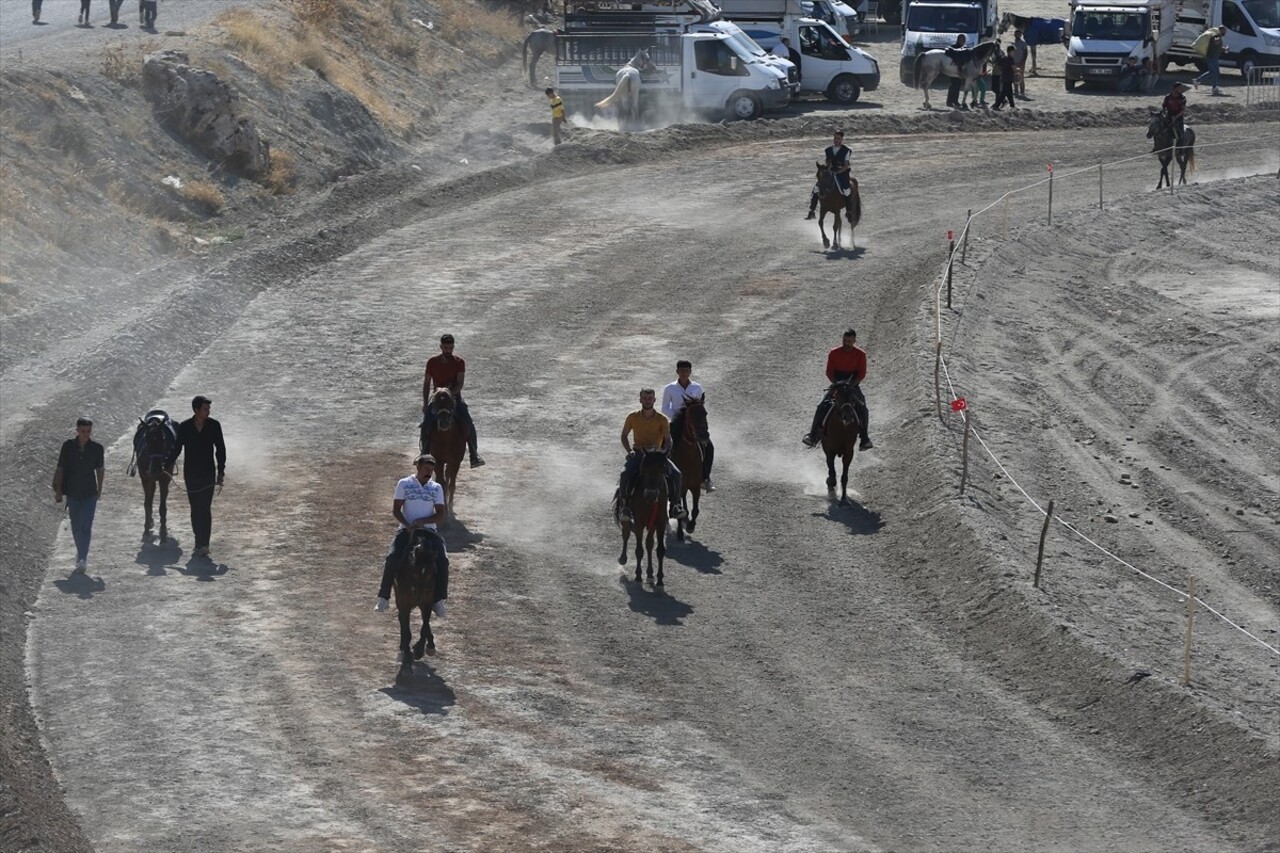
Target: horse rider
(651, 431)
(1175, 110)
(847, 361)
(959, 54)
(837, 155)
(447, 370)
(418, 505)
(673, 397)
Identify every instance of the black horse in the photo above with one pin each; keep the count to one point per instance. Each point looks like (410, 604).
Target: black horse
(415, 587)
(690, 437)
(1160, 129)
(840, 436)
(153, 441)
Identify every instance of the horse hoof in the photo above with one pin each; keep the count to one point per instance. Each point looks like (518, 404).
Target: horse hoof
(622, 561)
(826, 244)
(431, 650)
(417, 652)
(831, 482)
(691, 526)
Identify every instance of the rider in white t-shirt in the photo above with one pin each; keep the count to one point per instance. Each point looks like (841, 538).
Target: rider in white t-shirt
(418, 505)
(673, 403)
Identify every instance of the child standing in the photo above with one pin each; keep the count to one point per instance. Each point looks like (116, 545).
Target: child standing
(557, 114)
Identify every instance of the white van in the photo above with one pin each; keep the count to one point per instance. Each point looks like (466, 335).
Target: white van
(828, 64)
(1253, 32)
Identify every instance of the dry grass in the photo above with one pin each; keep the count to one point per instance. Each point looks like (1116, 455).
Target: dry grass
(280, 174)
(205, 195)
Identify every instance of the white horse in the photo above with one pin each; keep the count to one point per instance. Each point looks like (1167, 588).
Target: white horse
(936, 63)
(626, 91)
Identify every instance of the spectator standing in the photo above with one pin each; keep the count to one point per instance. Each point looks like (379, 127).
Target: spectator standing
(1020, 53)
(113, 6)
(205, 467)
(1005, 94)
(557, 114)
(147, 10)
(79, 477)
(35, 10)
(1213, 59)
(83, 17)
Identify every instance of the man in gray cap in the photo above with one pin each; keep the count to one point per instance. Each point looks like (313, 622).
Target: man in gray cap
(204, 469)
(418, 505)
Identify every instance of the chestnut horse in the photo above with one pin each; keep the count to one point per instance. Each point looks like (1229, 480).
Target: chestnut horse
(448, 442)
(415, 587)
(840, 436)
(648, 503)
(690, 433)
(152, 443)
(832, 201)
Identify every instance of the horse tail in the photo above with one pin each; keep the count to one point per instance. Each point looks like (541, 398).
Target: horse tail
(609, 101)
(916, 84)
(857, 202)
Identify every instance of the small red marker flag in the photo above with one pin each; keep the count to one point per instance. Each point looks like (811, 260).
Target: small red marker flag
(958, 404)
(951, 235)
(1050, 165)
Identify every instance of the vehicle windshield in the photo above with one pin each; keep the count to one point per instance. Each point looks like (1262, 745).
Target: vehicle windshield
(1097, 24)
(941, 19)
(743, 53)
(745, 44)
(1265, 13)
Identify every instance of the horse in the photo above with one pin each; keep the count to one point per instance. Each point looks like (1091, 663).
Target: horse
(648, 503)
(691, 436)
(540, 41)
(1036, 31)
(840, 436)
(626, 91)
(935, 63)
(832, 201)
(152, 443)
(415, 587)
(448, 442)
(1160, 129)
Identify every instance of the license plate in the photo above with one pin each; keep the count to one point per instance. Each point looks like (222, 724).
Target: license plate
(1099, 70)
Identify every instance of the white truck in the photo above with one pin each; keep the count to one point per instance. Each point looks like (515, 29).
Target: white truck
(935, 24)
(697, 72)
(1253, 32)
(1104, 33)
(828, 64)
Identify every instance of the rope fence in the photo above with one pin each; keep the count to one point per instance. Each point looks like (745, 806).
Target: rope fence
(942, 373)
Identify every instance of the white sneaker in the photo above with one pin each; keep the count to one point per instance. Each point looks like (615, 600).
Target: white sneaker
(439, 609)
(381, 605)
(81, 566)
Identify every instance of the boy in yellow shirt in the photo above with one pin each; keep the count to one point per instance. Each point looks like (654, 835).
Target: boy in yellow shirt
(557, 114)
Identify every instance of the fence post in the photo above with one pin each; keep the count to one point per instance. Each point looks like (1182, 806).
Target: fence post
(1099, 186)
(964, 247)
(951, 258)
(1050, 194)
(937, 378)
(1044, 531)
(1191, 618)
(1006, 217)
(964, 452)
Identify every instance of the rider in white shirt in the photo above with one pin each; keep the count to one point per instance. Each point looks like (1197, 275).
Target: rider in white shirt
(673, 402)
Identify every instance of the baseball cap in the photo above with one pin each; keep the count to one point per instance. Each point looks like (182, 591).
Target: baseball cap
(198, 402)
(424, 458)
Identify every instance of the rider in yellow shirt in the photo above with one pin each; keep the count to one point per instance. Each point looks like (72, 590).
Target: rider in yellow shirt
(648, 429)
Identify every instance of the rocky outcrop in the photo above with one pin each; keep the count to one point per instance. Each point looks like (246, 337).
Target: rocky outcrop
(204, 110)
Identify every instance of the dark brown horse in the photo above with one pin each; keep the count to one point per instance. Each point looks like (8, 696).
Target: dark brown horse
(840, 436)
(152, 443)
(690, 437)
(648, 519)
(448, 442)
(415, 587)
(832, 201)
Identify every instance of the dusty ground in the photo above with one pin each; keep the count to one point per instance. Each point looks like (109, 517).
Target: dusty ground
(875, 678)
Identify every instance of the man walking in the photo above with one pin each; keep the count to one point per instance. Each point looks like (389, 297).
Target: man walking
(205, 467)
(79, 476)
(1213, 59)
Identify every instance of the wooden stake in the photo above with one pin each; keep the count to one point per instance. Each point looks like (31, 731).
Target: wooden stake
(1006, 216)
(1051, 197)
(937, 378)
(1044, 532)
(1099, 186)
(964, 451)
(964, 247)
(951, 255)
(1191, 619)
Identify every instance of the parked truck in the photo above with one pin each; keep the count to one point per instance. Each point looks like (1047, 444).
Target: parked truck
(697, 72)
(828, 65)
(1253, 32)
(1104, 33)
(936, 24)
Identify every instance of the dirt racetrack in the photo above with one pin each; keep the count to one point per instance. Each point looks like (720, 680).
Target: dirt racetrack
(814, 678)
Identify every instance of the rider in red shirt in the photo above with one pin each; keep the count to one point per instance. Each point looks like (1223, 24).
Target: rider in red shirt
(1175, 107)
(447, 370)
(846, 361)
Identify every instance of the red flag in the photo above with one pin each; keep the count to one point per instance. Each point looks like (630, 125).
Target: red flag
(958, 404)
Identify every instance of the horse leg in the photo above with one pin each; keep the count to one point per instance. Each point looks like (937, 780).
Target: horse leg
(148, 496)
(831, 471)
(822, 218)
(662, 551)
(419, 648)
(835, 231)
(693, 513)
(648, 547)
(626, 537)
(406, 655)
(639, 555)
(844, 479)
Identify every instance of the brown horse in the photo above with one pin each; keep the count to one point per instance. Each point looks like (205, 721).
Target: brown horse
(832, 201)
(415, 587)
(691, 436)
(448, 442)
(840, 436)
(648, 503)
(152, 443)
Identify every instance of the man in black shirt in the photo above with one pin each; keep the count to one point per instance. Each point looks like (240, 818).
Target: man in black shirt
(206, 464)
(79, 476)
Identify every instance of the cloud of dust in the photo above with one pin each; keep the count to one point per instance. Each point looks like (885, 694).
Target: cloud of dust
(254, 453)
(758, 456)
(656, 117)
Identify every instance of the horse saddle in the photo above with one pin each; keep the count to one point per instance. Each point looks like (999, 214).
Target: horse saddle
(959, 55)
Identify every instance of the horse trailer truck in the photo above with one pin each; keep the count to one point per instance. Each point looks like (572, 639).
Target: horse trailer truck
(706, 73)
(1253, 32)
(1104, 33)
(935, 24)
